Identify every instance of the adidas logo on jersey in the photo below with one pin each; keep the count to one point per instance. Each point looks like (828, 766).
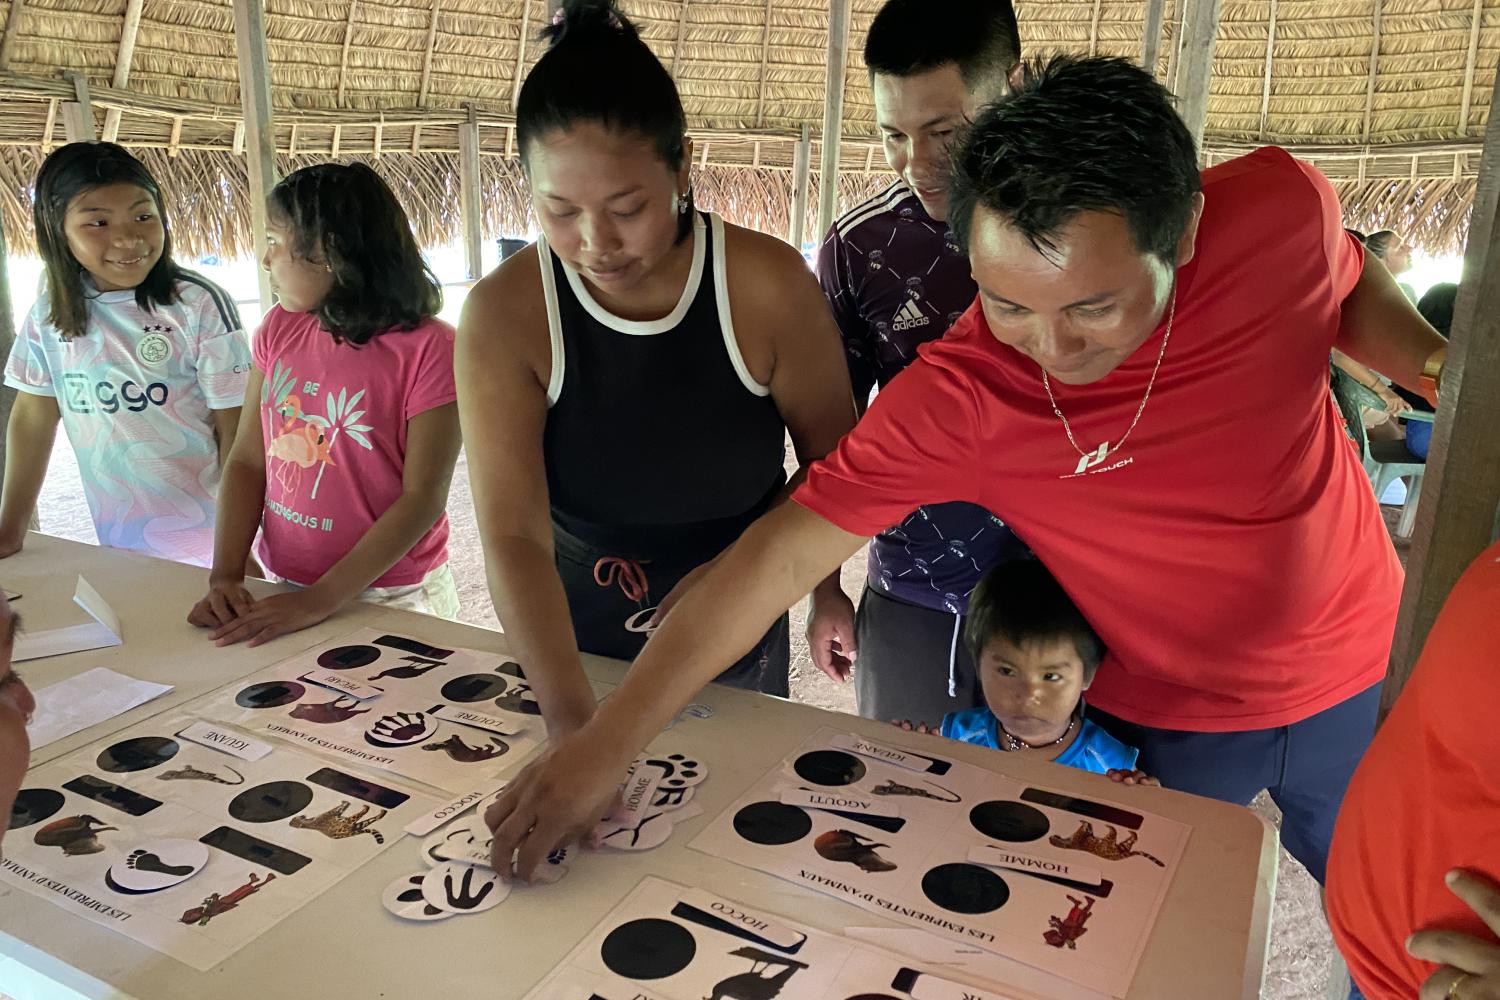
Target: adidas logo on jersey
(909, 316)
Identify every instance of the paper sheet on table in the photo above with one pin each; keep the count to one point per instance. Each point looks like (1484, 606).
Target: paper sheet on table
(91, 697)
(969, 960)
(102, 631)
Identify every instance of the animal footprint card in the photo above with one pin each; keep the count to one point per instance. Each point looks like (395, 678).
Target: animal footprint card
(450, 718)
(1067, 885)
(670, 942)
(194, 839)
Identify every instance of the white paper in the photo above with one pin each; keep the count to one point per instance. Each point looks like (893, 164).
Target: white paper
(77, 703)
(880, 752)
(223, 740)
(423, 825)
(834, 802)
(992, 856)
(345, 685)
(103, 631)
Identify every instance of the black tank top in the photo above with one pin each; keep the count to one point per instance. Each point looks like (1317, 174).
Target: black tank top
(657, 437)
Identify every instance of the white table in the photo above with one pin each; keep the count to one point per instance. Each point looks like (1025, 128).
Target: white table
(1210, 939)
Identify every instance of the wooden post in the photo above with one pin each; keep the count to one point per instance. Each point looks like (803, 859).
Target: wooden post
(833, 114)
(801, 181)
(128, 30)
(260, 134)
(1196, 67)
(1461, 490)
(78, 115)
(12, 29)
(1476, 20)
(1151, 35)
(469, 195)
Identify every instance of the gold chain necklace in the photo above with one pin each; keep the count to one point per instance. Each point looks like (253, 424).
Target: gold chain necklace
(1089, 459)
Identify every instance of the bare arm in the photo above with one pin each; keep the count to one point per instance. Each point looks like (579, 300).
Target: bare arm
(561, 795)
(28, 448)
(1381, 329)
(226, 422)
(502, 361)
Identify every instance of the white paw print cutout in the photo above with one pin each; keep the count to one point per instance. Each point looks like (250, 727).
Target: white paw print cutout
(651, 832)
(459, 888)
(401, 729)
(678, 770)
(403, 898)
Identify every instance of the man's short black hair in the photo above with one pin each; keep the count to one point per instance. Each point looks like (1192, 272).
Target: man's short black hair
(1079, 135)
(909, 37)
(1022, 602)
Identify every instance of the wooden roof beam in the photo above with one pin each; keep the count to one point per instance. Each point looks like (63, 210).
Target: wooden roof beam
(682, 20)
(1364, 132)
(344, 56)
(765, 62)
(1476, 18)
(432, 22)
(1265, 85)
(1094, 32)
(515, 83)
(12, 28)
(123, 56)
(255, 105)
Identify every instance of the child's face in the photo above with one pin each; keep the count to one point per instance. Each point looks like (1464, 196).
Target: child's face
(115, 233)
(300, 284)
(1032, 689)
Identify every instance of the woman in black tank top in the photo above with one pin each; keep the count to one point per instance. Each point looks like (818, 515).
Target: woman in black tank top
(627, 383)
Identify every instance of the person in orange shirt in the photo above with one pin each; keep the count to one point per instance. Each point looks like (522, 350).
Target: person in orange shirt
(1423, 809)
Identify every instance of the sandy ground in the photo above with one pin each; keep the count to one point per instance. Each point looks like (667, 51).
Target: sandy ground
(1302, 960)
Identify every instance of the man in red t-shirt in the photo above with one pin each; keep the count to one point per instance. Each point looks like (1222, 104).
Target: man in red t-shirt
(1141, 389)
(1425, 801)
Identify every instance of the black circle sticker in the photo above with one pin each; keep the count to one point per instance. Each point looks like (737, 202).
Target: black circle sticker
(1015, 822)
(138, 754)
(269, 694)
(33, 805)
(829, 767)
(275, 800)
(348, 657)
(475, 687)
(772, 823)
(648, 949)
(965, 888)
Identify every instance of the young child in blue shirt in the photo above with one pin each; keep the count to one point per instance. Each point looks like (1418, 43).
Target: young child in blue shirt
(1036, 654)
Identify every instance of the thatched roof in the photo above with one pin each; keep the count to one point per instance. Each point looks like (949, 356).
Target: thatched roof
(1388, 97)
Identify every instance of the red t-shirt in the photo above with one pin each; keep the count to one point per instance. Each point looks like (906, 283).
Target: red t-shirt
(335, 418)
(1425, 799)
(1232, 556)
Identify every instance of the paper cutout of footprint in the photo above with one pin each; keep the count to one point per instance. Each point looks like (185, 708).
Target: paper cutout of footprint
(145, 861)
(650, 948)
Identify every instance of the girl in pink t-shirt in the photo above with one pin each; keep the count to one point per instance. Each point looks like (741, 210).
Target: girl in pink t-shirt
(349, 431)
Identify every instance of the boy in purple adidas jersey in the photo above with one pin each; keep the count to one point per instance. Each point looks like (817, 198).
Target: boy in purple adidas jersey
(897, 278)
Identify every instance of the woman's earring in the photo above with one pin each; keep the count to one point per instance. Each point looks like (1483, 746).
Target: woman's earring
(684, 202)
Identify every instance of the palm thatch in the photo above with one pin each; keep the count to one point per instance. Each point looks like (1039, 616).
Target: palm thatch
(1388, 97)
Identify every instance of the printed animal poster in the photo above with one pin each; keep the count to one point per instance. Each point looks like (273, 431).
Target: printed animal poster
(1066, 885)
(670, 942)
(195, 839)
(451, 718)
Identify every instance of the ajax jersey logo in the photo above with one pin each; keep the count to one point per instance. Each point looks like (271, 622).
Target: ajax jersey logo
(155, 347)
